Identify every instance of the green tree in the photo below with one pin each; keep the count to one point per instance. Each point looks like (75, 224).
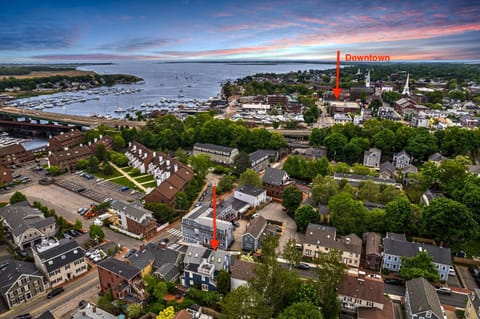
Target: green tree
(200, 163)
(399, 216)
(384, 140)
(78, 225)
(134, 310)
(118, 143)
(241, 162)
(223, 282)
(369, 191)
(93, 164)
(449, 221)
(307, 292)
(245, 302)
(108, 169)
(156, 287)
(421, 144)
(161, 212)
(101, 152)
(420, 265)
(375, 220)
(292, 198)
(347, 214)
(323, 188)
(181, 201)
(275, 124)
(250, 178)
(291, 253)
(96, 233)
(118, 159)
(225, 184)
(181, 155)
(335, 143)
(305, 215)
(55, 170)
(17, 197)
(82, 164)
(301, 310)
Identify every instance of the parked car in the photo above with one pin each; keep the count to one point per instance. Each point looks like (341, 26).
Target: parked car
(444, 291)
(375, 276)
(303, 266)
(20, 252)
(24, 316)
(73, 233)
(124, 188)
(82, 303)
(393, 281)
(474, 271)
(130, 252)
(55, 292)
(67, 236)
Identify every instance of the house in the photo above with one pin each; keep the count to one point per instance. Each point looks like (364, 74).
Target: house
(437, 158)
(218, 153)
(106, 140)
(357, 292)
(401, 159)
(252, 238)
(142, 259)
(472, 309)
(409, 169)
(14, 154)
(26, 224)
(310, 152)
(371, 157)
(275, 181)
(134, 219)
(320, 239)
(388, 113)
(429, 195)
(474, 169)
(394, 248)
(197, 225)
(260, 159)
(91, 311)
(60, 261)
(19, 282)
(241, 273)
(340, 118)
(421, 300)
(167, 263)
(5, 175)
(67, 139)
(251, 195)
(355, 180)
(387, 170)
(122, 280)
(373, 250)
(48, 315)
(201, 266)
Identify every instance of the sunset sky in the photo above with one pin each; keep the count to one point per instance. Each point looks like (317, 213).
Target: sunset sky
(59, 31)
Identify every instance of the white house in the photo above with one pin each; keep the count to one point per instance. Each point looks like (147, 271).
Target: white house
(252, 195)
(401, 159)
(371, 158)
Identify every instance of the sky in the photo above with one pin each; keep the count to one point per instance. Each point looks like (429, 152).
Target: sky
(86, 31)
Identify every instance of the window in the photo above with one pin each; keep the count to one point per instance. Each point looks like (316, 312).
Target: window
(203, 278)
(204, 287)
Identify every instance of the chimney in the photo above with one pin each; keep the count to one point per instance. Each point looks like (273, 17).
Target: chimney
(175, 168)
(129, 144)
(142, 247)
(154, 154)
(95, 140)
(134, 147)
(347, 240)
(101, 136)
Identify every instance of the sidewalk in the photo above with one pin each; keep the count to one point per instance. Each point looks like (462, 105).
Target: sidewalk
(130, 178)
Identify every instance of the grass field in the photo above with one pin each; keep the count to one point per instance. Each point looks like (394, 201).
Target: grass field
(124, 182)
(151, 184)
(143, 179)
(44, 74)
(101, 175)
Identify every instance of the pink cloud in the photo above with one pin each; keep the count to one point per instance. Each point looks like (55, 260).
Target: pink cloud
(93, 56)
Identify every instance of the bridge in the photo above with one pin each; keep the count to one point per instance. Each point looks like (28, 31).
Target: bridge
(10, 112)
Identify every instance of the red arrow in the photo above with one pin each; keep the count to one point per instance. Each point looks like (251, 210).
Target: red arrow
(214, 242)
(337, 90)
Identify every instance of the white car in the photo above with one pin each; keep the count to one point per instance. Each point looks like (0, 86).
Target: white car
(375, 276)
(451, 271)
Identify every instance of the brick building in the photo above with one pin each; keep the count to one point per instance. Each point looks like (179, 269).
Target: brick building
(63, 140)
(14, 154)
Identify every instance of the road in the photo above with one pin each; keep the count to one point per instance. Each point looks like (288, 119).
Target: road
(74, 292)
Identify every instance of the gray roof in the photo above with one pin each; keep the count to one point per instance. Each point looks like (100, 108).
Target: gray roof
(21, 216)
(11, 270)
(214, 147)
(436, 157)
(258, 155)
(61, 254)
(138, 212)
(326, 237)
(273, 176)
(119, 268)
(387, 166)
(408, 249)
(196, 254)
(163, 255)
(168, 272)
(141, 259)
(372, 243)
(396, 236)
(401, 153)
(423, 297)
(46, 315)
(353, 177)
(256, 227)
(250, 190)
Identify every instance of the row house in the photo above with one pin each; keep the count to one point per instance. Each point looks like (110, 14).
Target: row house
(201, 266)
(166, 191)
(60, 261)
(355, 180)
(260, 159)
(396, 246)
(14, 154)
(19, 282)
(218, 153)
(5, 175)
(340, 118)
(65, 140)
(321, 239)
(356, 292)
(134, 219)
(472, 309)
(122, 280)
(26, 224)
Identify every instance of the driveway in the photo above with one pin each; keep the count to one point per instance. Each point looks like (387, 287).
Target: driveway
(467, 277)
(274, 212)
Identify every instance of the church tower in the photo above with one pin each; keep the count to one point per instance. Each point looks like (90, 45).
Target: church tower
(367, 80)
(406, 90)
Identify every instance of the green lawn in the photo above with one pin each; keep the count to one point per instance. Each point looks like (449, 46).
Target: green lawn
(126, 169)
(151, 184)
(143, 179)
(101, 175)
(124, 182)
